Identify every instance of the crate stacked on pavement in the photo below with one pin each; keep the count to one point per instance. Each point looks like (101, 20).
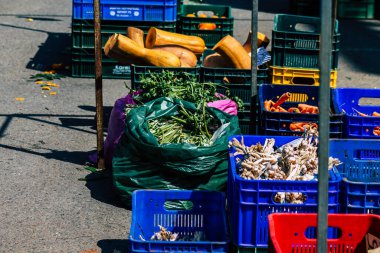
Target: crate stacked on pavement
(346, 9)
(210, 22)
(115, 16)
(295, 50)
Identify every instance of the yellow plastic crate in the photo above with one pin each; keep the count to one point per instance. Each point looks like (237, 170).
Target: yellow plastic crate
(299, 76)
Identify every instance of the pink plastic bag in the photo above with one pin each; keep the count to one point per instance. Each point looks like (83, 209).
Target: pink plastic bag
(227, 105)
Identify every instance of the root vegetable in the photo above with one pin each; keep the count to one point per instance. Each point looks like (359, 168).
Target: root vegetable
(376, 114)
(129, 49)
(215, 61)
(232, 51)
(187, 58)
(137, 35)
(157, 37)
(282, 99)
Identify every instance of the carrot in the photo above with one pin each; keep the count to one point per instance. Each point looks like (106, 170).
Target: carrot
(376, 130)
(294, 110)
(282, 99)
(295, 127)
(280, 109)
(304, 108)
(268, 105)
(300, 126)
(359, 113)
(376, 114)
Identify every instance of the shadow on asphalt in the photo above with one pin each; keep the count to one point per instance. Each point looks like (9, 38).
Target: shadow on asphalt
(56, 49)
(106, 114)
(113, 246)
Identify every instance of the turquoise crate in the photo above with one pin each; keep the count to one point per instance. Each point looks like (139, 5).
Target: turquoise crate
(356, 9)
(296, 42)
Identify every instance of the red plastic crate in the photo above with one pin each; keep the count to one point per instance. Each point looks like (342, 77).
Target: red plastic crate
(287, 232)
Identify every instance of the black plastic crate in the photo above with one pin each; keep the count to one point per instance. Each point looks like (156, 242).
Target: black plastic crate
(83, 30)
(190, 25)
(296, 42)
(278, 123)
(83, 65)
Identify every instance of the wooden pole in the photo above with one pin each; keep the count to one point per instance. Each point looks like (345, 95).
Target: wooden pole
(98, 86)
(254, 96)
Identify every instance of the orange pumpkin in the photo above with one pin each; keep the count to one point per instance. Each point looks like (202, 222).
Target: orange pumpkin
(202, 15)
(214, 16)
(207, 26)
(190, 15)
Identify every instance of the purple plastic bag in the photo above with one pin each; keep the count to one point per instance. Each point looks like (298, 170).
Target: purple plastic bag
(226, 105)
(116, 125)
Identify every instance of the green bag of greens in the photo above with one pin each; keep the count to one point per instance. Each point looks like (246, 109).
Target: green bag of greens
(140, 162)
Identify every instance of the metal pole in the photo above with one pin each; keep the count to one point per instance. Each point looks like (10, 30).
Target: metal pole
(324, 122)
(254, 29)
(98, 86)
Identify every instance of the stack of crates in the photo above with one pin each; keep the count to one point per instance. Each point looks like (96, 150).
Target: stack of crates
(116, 16)
(295, 50)
(192, 17)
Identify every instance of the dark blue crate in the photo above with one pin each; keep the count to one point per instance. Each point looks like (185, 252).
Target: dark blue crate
(207, 214)
(132, 10)
(278, 123)
(250, 201)
(361, 177)
(355, 126)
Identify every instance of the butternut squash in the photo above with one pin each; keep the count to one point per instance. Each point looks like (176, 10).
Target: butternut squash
(157, 37)
(231, 50)
(137, 35)
(129, 49)
(262, 41)
(215, 61)
(187, 58)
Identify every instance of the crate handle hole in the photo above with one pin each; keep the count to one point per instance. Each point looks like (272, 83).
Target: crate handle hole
(301, 27)
(303, 80)
(369, 101)
(333, 233)
(178, 205)
(209, 14)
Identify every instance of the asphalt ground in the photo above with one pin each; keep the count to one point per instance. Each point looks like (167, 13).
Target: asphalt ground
(49, 202)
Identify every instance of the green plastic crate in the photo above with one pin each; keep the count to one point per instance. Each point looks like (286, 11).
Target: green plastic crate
(189, 26)
(137, 72)
(296, 41)
(83, 65)
(356, 9)
(83, 30)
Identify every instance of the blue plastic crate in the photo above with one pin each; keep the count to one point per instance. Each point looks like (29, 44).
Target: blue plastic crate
(251, 201)
(355, 126)
(133, 10)
(361, 174)
(278, 123)
(206, 214)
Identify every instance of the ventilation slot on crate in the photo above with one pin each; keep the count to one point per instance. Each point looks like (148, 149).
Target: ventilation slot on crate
(368, 154)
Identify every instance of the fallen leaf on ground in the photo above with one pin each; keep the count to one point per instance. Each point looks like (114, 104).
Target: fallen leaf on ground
(20, 99)
(46, 88)
(53, 93)
(29, 19)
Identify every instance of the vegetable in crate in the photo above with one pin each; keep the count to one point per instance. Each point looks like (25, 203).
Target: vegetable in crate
(271, 106)
(296, 160)
(165, 235)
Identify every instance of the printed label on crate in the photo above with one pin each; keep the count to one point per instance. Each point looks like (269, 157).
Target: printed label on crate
(124, 12)
(121, 70)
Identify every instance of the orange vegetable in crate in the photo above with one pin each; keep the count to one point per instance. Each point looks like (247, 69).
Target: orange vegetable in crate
(376, 130)
(301, 126)
(207, 26)
(262, 40)
(157, 37)
(214, 16)
(191, 15)
(215, 61)
(359, 113)
(188, 59)
(129, 49)
(294, 110)
(137, 35)
(282, 99)
(232, 51)
(202, 15)
(376, 114)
